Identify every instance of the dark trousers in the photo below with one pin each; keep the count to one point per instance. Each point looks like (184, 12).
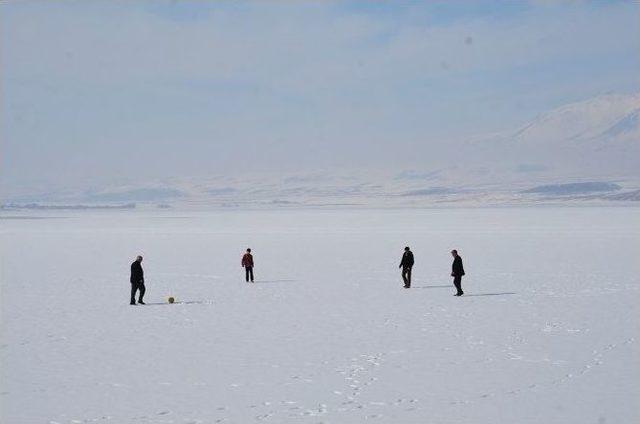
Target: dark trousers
(134, 288)
(457, 281)
(406, 276)
(248, 273)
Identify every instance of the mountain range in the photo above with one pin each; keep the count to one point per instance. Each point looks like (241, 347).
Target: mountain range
(583, 151)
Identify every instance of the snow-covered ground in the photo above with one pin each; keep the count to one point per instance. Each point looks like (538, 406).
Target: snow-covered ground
(547, 332)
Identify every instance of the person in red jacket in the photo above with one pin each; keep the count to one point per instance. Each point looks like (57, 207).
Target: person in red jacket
(247, 264)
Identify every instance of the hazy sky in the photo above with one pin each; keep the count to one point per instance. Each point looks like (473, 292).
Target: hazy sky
(98, 89)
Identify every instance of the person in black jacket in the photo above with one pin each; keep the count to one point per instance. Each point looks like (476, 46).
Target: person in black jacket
(137, 281)
(457, 271)
(406, 263)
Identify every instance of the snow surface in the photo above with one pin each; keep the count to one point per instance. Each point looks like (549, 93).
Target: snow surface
(547, 332)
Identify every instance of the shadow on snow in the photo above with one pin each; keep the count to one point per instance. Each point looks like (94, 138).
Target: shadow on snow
(490, 294)
(274, 281)
(432, 287)
(186, 302)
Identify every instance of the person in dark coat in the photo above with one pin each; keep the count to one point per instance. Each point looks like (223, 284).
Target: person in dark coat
(137, 281)
(406, 263)
(457, 271)
(247, 264)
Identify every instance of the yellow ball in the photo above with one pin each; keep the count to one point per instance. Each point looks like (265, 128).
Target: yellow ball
(171, 300)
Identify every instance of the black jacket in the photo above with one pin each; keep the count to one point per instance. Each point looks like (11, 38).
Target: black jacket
(456, 268)
(407, 259)
(137, 275)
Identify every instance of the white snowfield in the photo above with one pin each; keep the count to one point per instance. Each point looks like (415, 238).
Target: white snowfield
(547, 331)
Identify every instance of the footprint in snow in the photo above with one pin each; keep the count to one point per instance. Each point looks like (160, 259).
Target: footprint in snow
(263, 416)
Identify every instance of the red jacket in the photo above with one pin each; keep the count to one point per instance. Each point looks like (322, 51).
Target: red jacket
(247, 260)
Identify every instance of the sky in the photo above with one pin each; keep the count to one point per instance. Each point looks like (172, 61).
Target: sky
(140, 90)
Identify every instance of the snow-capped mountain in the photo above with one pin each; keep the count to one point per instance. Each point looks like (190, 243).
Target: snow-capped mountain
(626, 129)
(595, 138)
(610, 118)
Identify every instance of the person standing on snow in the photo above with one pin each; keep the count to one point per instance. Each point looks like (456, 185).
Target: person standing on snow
(457, 271)
(406, 263)
(137, 281)
(247, 264)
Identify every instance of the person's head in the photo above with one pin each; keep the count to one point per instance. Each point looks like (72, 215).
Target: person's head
(406, 249)
(248, 250)
(139, 258)
(454, 253)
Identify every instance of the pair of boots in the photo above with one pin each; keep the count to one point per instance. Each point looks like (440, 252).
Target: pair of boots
(457, 282)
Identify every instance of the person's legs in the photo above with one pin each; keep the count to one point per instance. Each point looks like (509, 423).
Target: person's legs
(409, 277)
(250, 270)
(246, 273)
(142, 289)
(405, 272)
(457, 281)
(134, 288)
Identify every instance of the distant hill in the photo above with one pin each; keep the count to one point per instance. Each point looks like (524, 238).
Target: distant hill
(611, 118)
(596, 138)
(574, 188)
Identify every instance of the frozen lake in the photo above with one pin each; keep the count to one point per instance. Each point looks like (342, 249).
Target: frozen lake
(546, 333)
